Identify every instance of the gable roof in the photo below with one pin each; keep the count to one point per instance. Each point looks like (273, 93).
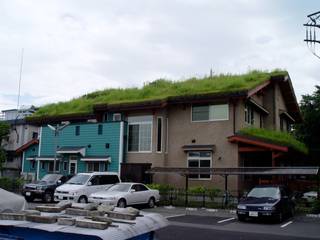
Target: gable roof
(27, 145)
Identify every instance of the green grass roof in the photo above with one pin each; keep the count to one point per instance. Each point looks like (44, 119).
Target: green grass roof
(159, 89)
(282, 138)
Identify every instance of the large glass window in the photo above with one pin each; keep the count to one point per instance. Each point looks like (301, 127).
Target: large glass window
(217, 112)
(140, 134)
(248, 114)
(201, 159)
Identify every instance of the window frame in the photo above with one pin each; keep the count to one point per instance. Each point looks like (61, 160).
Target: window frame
(114, 117)
(249, 113)
(151, 133)
(210, 120)
(77, 130)
(100, 129)
(161, 135)
(198, 158)
(93, 165)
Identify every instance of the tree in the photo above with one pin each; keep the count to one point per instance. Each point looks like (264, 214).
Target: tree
(309, 130)
(4, 131)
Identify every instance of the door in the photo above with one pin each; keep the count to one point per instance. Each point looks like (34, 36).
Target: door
(73, 165)
(139, 194)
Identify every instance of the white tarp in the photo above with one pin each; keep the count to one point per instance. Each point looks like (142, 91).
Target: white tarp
(10, 202)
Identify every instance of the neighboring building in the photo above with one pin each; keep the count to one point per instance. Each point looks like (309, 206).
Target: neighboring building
(193, 130)
(20, 133)
(81, 147)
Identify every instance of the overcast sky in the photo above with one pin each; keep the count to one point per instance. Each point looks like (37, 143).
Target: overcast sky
(73, 47)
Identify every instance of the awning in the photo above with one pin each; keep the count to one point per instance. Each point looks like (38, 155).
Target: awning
(287, 116)
(96, 159)
(31, 158)
(72, 150)
(239, 171)
(47, 158)
(195, 147)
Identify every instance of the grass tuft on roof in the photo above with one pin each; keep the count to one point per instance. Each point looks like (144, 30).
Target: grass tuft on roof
(282, 138)
(157, 90)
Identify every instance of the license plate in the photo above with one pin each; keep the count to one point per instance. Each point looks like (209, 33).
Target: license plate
(28, 194)
(253, 214)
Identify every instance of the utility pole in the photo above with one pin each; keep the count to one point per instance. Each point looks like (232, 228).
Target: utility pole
(312, 30)
(56, 130)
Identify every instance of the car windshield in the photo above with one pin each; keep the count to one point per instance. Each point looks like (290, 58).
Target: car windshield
(80, 179)
(51, 178)
(121, 187)
(265, 192)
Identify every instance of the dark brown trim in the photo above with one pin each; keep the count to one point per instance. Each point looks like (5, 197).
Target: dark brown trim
(82, 117)
(259, 143)
(27, 145)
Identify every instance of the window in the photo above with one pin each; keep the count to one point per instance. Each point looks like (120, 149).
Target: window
(200, 159)
(248, 114)
(116, 117)
(108, 179)
(159, 134)
(216, 112)
(33, 164)
(77, 130)
(65, 166)
(100, 129)
(93, 166)
(139, 187)
(95, 180)
(34, 135)
(105, 167)
(50, 166)
(140, 134)
(43, 165)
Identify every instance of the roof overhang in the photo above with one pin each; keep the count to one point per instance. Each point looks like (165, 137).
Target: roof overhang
(27, 145)
(302, 171)
(194, 147)
(47, 158)
(258, 143)
(96, 159)
(72, 150)
(287, 116)
(258, 107)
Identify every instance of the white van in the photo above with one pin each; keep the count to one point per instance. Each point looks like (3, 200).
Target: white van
(79, 187)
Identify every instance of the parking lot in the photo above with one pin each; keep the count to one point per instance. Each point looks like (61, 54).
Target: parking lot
(192, 223)
(223, 224)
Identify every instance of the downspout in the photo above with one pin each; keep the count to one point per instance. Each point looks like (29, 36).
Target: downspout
(234, 117)
(120, 146)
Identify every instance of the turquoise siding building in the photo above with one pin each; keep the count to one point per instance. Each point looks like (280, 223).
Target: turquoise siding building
(82, 147)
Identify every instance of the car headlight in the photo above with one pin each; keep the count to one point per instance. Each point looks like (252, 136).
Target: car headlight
(268, 208)
(242, 207)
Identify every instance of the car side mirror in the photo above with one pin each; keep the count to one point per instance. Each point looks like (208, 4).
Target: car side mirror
(89, 183)
(59, 182)
(132, 190)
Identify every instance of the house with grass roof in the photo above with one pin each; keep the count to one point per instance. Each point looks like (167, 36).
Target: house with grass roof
(219, 121)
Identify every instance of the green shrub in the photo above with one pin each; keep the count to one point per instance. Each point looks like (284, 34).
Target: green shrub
(197, 190)
(12, 185)
(163, 188)
(316, 207)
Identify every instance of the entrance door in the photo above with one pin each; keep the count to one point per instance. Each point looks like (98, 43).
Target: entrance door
(73, 165)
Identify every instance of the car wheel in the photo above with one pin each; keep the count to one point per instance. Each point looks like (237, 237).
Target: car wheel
(122, 203)
(151, 202)
(83, 199)
(241, 218)
(47, 197)
(29, 199)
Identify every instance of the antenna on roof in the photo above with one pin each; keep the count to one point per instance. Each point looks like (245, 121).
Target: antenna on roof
(20, 75)
(312, 27)
(211, 73)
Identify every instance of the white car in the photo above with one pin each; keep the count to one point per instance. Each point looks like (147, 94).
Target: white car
(11, 202)
(124, 194)
(79, 187)
(310, 196)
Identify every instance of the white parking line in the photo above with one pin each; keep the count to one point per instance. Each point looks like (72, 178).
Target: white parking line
(178, 215)
(286, 224)
(226, 220)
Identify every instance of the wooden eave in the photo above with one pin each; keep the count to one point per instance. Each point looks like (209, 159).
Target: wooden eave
(27, 145)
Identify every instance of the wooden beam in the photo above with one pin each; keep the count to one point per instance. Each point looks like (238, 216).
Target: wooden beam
(253, 149)
(258, 88)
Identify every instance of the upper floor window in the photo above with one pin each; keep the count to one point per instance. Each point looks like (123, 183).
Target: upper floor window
(140, 134)
(100, 129)
(116, 117)
(77, 130)
(34, 135)
(217, 112)
(248, 114)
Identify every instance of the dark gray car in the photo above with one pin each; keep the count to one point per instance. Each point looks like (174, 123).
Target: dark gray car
(43, 189)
